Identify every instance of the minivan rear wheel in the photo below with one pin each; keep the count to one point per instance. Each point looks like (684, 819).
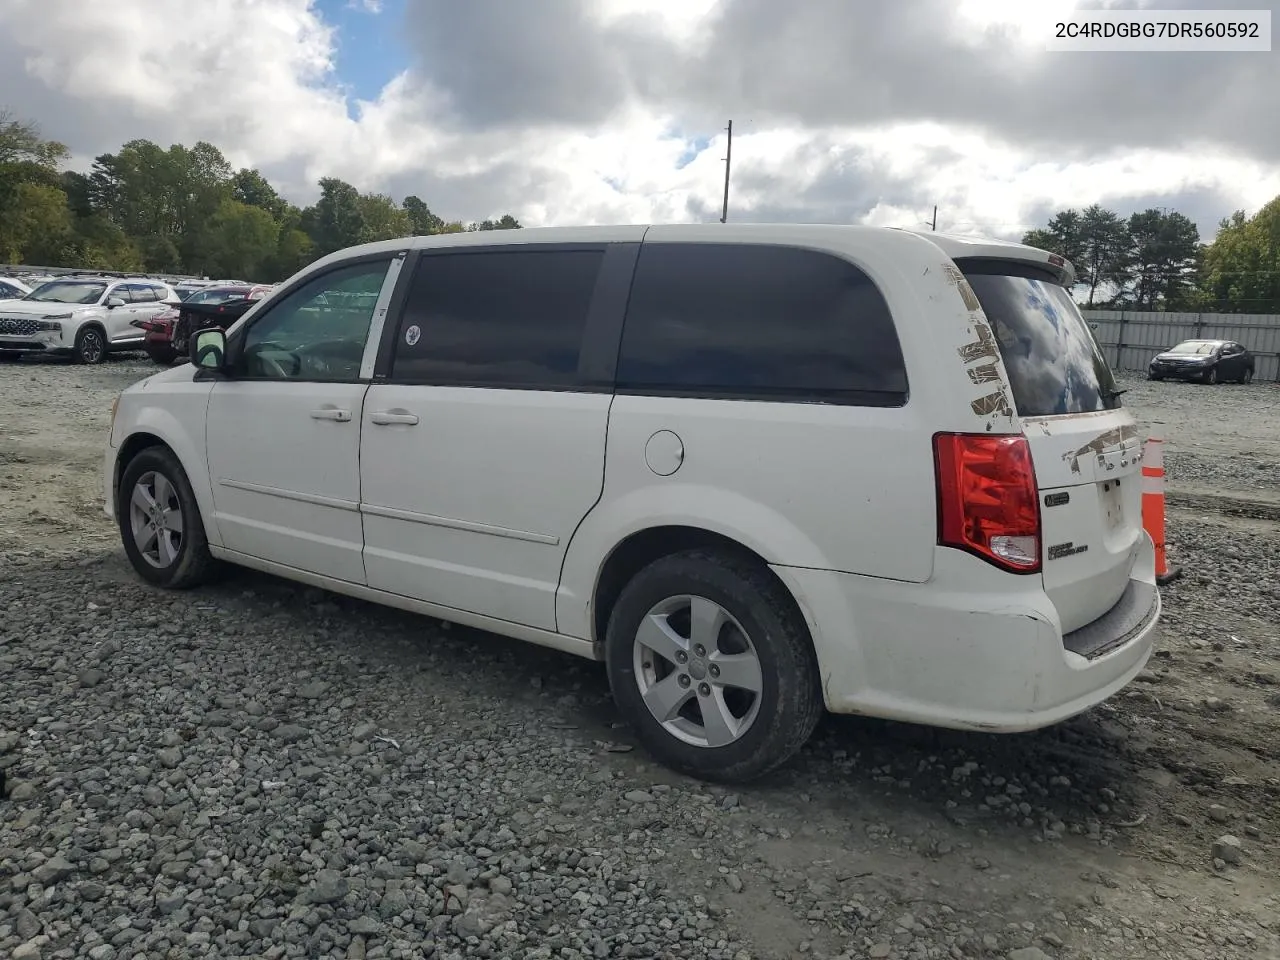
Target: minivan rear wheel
(711, 663)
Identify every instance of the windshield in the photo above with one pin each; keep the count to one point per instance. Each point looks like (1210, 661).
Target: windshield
(1200, 348)
(67, 292)
(215, 296)
(1055, 365)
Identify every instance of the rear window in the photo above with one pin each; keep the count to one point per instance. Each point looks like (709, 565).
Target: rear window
(758, 321)
(1054, 363)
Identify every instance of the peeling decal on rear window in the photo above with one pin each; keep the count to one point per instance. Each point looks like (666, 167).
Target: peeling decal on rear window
(997, 402)
(984, 346)
(966, 292)
(984, 373)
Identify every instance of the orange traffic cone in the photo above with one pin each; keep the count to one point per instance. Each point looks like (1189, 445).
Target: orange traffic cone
(1153, 507)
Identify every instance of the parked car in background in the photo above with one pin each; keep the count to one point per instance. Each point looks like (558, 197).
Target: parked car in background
(1209, 361)
(85, 317)
(11, 288)
(682, 450)
(167, 333)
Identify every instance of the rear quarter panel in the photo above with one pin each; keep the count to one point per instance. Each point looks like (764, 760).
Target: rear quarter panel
(818, 486)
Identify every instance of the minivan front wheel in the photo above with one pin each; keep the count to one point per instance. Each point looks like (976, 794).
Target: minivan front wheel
(160, 524)
(713, 666)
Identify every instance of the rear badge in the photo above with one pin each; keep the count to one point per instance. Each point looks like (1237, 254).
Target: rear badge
(412, 334)
(1056, 499)
(1058, 551)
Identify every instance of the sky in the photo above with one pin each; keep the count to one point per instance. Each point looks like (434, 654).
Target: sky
(613, 111)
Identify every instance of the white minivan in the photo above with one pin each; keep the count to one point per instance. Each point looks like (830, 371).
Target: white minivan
(758, 470)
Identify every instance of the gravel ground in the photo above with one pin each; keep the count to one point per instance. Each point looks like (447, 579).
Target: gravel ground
(1222, 438)
(257, 769)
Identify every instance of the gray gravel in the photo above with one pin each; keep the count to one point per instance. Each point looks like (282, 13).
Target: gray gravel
(257, 769)
(1223, 438)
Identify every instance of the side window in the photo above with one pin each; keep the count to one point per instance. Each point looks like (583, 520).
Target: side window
(756, 321)
(503, 318)
(122, 290)
(317, 332)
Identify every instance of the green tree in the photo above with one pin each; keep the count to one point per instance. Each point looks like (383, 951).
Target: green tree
(383, 220)
(242, 241)
(422, 221)
(165, 198)
(337, 219)
(30, 192)
(1104, 250)
(252, 189)
(506, 222)
(1241, 268)
(37, 225)
(1062, 236)
(1164, 254)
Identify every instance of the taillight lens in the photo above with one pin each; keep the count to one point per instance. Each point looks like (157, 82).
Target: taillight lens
(987, 499)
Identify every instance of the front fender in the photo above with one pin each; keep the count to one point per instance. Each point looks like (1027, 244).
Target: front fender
(180, 425)
(716, 510)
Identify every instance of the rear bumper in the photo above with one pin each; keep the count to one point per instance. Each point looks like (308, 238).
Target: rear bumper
(955, 653)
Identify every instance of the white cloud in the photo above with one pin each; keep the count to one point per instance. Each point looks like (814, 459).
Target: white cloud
(256, 77)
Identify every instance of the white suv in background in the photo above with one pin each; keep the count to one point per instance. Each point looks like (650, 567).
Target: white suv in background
(84, 317)
(759, 470)
(12, 288)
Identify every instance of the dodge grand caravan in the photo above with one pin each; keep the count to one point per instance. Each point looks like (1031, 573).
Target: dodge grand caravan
(758, 470)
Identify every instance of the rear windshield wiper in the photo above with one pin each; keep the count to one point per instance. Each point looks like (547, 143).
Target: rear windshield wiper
(1113, 394)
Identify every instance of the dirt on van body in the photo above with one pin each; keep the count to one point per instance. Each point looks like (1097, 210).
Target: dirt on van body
(256, 769)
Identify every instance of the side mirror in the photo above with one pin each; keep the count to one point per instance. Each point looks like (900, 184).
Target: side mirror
(209, 349)
(113, 302)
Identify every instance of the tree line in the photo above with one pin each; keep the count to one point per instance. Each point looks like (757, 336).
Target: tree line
(1155, 260)
(183, 210)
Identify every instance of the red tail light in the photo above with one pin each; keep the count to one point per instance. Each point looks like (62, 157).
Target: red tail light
(988, 504)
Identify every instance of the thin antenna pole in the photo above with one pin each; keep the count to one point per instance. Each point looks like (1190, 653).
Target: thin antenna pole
(935, 217)
(728, 154)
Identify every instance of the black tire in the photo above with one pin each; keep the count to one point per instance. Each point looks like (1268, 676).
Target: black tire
(1247, 376)
(790, 700)
(162, 355)
(9, 356)
(1154, 376)
(1211, 377)
(192, 565)
(91, 345)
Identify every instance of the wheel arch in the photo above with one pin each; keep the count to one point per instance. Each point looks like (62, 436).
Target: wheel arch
(642, 547)
(146, 436)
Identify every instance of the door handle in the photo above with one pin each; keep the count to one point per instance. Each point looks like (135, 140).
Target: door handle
(385, 417)
(331, 413)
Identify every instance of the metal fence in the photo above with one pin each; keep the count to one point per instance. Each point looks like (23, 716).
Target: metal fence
(1131, 338)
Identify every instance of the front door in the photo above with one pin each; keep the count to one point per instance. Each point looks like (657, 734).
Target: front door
(119, 320)
(484, 449)
(283, 434)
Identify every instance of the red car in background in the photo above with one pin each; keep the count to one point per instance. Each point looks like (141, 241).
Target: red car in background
(167, 333)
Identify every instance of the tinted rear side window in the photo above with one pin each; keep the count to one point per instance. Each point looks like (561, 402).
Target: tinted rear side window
(755, 321)
(501, 318)
(1054, 363)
